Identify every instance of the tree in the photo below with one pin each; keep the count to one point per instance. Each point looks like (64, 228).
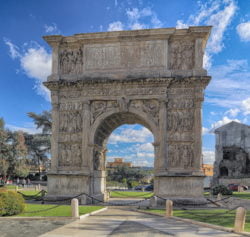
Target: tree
(123, 174)
(43, 121)
(13, 151)
(4, 166)
(38, 149)
(39, 144)
(22, 168)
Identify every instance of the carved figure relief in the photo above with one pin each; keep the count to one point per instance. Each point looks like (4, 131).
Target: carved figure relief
(99, 159)
(71, 106)
(99, 107)
(70, 155)
(70, 121)
(150, 107)
(181, 55)
(71, 61)
(185, 103)
(180, 121)
(180, 155)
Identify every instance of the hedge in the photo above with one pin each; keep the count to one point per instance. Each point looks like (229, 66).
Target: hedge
(11, 203)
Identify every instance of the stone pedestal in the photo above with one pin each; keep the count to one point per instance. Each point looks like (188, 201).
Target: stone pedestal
(182, 189)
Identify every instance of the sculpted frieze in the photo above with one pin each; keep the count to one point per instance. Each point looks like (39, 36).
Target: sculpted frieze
(71, 106)
(70, 155)
(99, 107)
(150, 107)
(70, 121)
(71, 60)
(180, 121)
(180, 155)
(181, 54)
(181, 103)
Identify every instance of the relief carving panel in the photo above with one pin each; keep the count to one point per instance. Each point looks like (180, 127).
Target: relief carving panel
(99, 107)
(181, 54)
(150, 107)
(181, 120)
(180, 155)
(70, 155)
(71, 61)
(70, 121)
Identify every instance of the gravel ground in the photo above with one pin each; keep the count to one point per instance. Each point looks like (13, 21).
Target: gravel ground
(31, 228)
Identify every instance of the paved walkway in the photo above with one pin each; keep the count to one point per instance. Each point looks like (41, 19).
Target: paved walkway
(123, 222)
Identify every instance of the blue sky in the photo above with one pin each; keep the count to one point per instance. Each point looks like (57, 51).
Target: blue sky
(25, 59)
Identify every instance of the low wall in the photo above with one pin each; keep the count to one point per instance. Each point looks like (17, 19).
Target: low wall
(241, 181)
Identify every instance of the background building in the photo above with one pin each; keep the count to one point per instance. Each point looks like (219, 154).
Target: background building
(118, 162)
(232, 150)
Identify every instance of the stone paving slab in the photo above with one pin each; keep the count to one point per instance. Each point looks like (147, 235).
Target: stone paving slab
(29, 228)
(123, 222)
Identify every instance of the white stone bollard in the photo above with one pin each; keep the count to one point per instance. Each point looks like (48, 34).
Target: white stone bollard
(219, 197)
(74, 207)
(169, 208)
(240, 218)
(16, 188)
(39, 187)
(36, 188)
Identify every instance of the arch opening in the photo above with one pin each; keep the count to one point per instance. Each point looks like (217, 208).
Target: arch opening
(128, 138)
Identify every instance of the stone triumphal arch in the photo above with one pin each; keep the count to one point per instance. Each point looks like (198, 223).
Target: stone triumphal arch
(100, 81)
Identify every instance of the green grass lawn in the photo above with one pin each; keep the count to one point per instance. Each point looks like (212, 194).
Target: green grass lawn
(130, 194)
(244, 195)
(226, 220)
(59, 211)
(29, 192)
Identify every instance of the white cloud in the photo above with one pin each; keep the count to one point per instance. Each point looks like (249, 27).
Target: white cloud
(136, 15)
(35, 61)
(13, 49)
(243, 31)
(208, 157)
(137, 19)
(233, 112)
(205, 131)
(52, 29)
(115, 26)
(222, 122)
(146, 147)
(137, 26)
(181, 25)
(130, 135)
(230, 84)
(219, 14)
(246, 106)
(31, 129)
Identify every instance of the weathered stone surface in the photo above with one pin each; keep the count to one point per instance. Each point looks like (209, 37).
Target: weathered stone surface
(100, 81)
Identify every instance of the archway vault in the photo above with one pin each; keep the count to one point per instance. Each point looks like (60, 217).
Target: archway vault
(100, 81)
(114, 120)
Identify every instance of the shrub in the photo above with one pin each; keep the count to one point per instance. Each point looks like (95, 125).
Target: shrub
(11, 203)
(221, 189)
